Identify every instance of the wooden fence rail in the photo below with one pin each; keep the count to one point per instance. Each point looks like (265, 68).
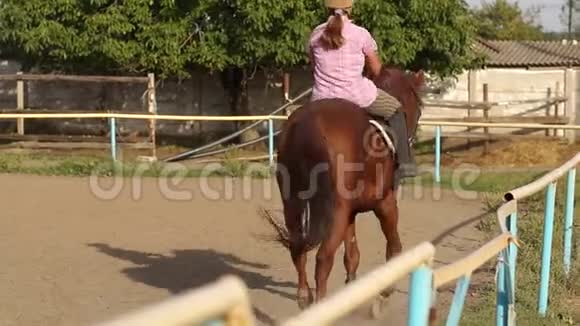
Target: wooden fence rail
(21, 78)
(487, 108)
(88, 78)
(226, 299)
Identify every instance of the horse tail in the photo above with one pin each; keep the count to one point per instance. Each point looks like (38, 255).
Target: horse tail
(306, 184)
(317, 202)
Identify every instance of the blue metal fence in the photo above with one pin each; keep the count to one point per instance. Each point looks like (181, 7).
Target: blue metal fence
(425, 281)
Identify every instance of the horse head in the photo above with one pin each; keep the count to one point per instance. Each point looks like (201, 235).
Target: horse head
(405, 87)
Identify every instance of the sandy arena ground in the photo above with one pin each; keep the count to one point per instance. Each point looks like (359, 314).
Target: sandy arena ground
(71, 258)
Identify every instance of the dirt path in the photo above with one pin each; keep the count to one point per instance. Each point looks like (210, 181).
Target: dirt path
(70, 258)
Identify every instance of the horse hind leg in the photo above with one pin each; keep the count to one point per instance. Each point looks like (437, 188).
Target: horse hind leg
(304, 295)
(298, 252)
(327, 250)
(388, 214)
(351, 252)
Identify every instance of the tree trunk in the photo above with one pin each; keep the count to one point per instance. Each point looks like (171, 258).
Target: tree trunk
(235, 81)
(231, 78)
(245, 109)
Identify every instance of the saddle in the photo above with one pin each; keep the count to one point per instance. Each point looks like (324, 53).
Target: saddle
(386, 131)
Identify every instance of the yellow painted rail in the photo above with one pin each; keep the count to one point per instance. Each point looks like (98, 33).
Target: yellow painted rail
(135, 116)
(468, 264)
(225, 300)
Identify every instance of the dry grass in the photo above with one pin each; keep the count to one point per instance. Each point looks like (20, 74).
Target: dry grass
(512, 154)
(529, 153)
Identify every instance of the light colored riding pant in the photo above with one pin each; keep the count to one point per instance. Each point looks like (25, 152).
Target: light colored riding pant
(384, 106)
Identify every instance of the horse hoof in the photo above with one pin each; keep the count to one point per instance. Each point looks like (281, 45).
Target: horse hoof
(377, 308)
(305, 299)
(350, 278)
(304, 303)
(377, 305)
(387, 292)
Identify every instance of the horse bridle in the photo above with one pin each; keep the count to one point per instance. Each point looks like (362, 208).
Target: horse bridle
(413, 137)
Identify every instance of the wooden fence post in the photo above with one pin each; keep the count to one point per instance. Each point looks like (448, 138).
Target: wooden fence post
(570, 93)
(473, 80)
(286, 87)
(152, 108)
(549, 96)
(20, 103)
(557, 106)
(200, 89)
(486, 117)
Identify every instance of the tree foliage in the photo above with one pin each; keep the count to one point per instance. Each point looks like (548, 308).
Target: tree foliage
(502, 20)
(173, 37)
(432, 35)
(569, 19)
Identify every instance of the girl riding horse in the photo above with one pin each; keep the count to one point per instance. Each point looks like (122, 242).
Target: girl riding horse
(338, 51)
(332, 162)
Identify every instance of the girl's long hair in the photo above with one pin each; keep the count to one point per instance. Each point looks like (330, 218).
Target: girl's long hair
(332, 38)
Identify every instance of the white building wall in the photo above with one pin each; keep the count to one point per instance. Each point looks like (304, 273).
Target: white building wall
(508, 85)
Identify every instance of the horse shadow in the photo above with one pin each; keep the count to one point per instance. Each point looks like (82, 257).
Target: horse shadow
(186, 269)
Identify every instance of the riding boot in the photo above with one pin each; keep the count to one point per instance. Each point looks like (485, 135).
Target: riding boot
(405, 157)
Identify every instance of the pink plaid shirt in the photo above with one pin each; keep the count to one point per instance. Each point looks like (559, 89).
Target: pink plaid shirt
(338, 73)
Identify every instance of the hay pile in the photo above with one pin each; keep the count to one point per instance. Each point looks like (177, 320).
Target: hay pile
(521, 153)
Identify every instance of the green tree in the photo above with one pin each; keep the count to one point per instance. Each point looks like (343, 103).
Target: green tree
(169, 37)
(502, 20)
(234, 37)
(432, 35)
(570, 19)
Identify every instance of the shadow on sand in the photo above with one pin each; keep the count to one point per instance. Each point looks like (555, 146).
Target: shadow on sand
(187, 269)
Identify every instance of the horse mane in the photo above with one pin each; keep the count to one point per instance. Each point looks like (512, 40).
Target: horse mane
(399, 83)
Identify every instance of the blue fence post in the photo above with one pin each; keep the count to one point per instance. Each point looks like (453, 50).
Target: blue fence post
(547, 249)
(271, 141)
(458, 300)
(513, 249)
(420, 294)
(510, 290)
(501, 303)
(438, 154)
(569, 220)
(113, 131)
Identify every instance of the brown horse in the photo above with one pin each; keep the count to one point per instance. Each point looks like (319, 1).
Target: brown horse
(333, 164)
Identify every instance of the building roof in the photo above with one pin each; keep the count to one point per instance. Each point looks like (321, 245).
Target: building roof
(529, 53)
